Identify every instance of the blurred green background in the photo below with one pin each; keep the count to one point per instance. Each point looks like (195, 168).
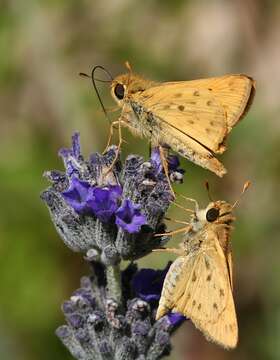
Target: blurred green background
(43, 47)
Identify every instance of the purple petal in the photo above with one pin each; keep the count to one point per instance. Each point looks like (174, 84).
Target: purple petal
(147, 283)
(76, 195)
(175, 318)
(104, 201)
(64, 153)
(174, 163)
(129, 217)
(156, 160)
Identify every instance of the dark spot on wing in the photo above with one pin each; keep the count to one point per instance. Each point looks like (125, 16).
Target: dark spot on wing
(209, 103)
(196, 93)
(181, 107)
(222, 293)
(208, 277)
(190, 121)
(193, 303)
(194, 277)
(215, 306)
(207, 264)
(199, 306)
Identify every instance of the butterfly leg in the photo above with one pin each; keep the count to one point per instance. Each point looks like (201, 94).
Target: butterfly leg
(170, 250)
(111, 131)
(176, 221)
(118, 122)
(165, 168)
(170, 233)
(192, 200)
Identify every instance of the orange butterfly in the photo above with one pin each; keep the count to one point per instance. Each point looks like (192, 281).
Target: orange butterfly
(192, 117)
(199, 282)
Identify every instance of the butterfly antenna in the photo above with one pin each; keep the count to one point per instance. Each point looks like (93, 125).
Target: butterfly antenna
(95, 87)
(208, 190)
(127, 65)
(245, 188)
(96, 79)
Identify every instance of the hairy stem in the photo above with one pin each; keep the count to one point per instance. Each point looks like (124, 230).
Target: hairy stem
(113, 274)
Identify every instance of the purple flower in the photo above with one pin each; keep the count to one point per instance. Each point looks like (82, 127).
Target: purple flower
(129, 217)
(104, 201)
(77, 195)
(175, 318)
(173, 163)
(147, 284)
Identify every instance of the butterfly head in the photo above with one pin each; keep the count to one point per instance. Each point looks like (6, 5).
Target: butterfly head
(127, 85)
(217, 212)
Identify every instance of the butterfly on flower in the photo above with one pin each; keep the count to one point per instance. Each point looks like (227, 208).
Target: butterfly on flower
(199, 282)
(193, 117)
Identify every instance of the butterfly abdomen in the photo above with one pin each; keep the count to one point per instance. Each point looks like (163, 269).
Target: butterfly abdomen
(146, 123)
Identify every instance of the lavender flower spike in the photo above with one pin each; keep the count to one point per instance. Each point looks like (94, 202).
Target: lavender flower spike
(110, 217)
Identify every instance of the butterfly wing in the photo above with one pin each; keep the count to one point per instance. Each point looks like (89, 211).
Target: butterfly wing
(195, 117)
(198, 286)
(205, 109)
(235, 93)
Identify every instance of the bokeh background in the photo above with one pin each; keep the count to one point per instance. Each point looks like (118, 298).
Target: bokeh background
(43, 47)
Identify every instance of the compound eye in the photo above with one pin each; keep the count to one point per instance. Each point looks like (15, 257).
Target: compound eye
(212, 214)
(119, 91)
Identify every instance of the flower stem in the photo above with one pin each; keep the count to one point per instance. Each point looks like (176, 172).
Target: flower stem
(113, 274)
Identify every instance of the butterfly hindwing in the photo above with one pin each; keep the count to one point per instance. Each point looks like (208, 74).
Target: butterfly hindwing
(198, 286)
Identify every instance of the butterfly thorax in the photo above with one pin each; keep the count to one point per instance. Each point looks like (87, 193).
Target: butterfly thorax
(140, 121)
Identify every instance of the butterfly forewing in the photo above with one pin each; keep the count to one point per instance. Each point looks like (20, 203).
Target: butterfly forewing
(234, 92)
(196, 114)
(204, 109)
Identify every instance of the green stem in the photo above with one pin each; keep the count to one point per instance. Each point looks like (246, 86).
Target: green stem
(113, 274)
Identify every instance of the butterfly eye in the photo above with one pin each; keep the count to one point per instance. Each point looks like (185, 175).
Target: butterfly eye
(212, 214)
(119, 91)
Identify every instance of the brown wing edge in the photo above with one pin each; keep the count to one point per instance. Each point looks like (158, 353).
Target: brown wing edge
(222, 146)
(250, 98)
